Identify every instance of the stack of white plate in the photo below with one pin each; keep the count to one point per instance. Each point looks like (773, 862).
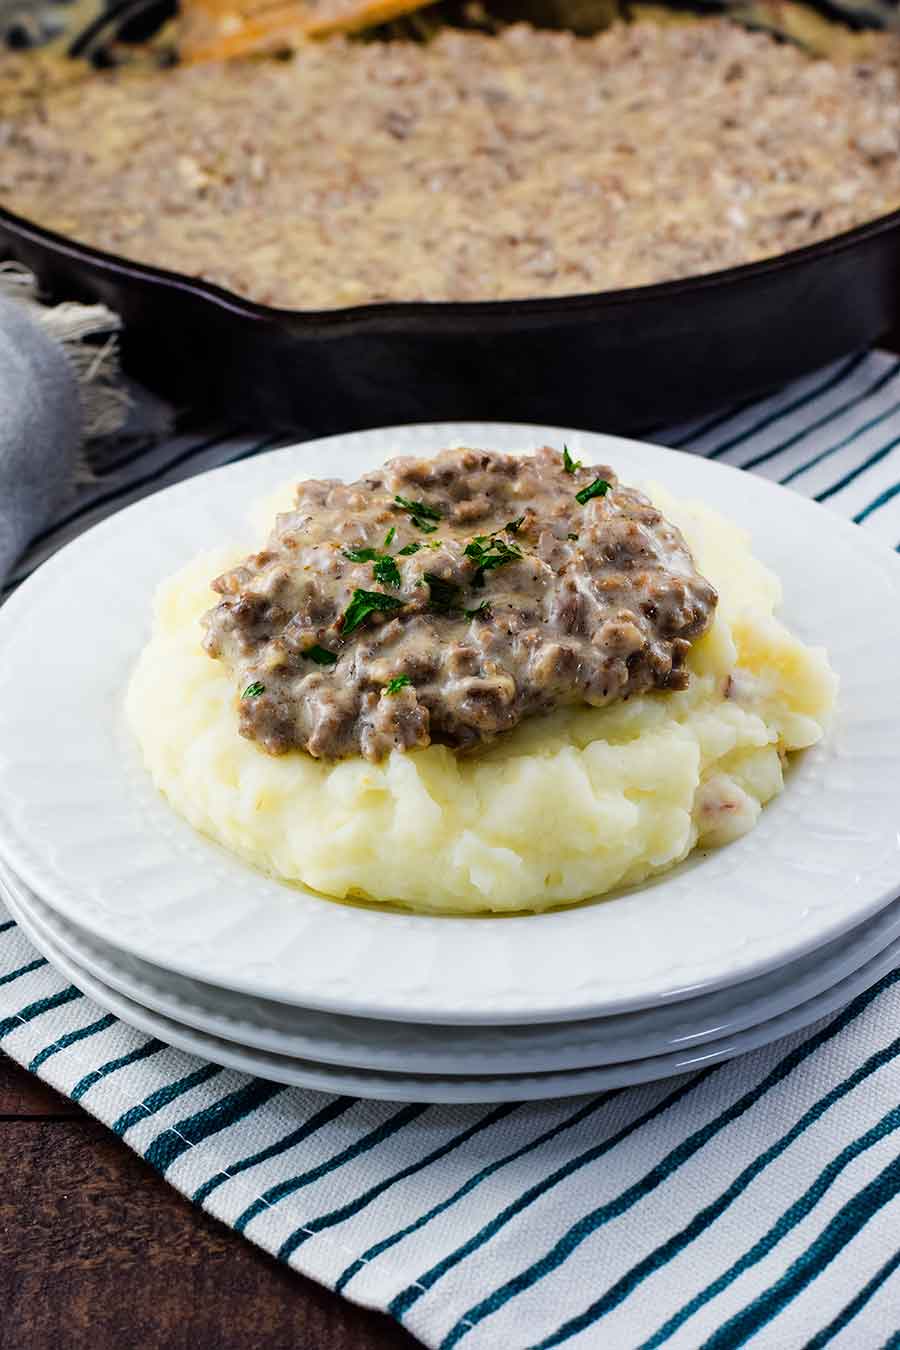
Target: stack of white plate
(728, 952)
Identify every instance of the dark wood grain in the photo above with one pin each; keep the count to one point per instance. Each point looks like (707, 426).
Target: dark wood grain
(24, 1097)
(96, 1252)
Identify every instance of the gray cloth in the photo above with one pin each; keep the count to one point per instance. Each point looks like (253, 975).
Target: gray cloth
(40, 430)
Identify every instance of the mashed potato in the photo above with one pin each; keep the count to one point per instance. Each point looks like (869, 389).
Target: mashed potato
(560, 809)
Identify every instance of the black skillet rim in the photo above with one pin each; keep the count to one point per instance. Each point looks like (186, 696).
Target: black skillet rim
(440, 315)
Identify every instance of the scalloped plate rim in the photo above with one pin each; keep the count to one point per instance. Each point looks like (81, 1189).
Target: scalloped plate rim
(548, 1046)
(462, 1089)
(26, 854)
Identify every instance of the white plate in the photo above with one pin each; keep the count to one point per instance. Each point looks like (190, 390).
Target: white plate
(458, 1088)
(81, 823)
(417, 1047)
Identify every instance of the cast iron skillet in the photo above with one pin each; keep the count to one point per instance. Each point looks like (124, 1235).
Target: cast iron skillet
(617, 361)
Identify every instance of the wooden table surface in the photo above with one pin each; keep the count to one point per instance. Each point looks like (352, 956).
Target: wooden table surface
(97, 1251)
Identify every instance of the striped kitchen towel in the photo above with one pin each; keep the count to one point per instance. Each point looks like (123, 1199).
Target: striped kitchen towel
(755, 1202)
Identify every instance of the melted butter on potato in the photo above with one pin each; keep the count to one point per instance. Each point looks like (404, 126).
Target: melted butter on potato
(563, 808)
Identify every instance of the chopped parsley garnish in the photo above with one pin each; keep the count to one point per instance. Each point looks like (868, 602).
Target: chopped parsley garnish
(389, 537)
(385, 569)
(420, 513)
(570, 535)
(488, 552)
(254, 690)
(320, 655)
(513, 526)
(396, 684)
(569, 464)
(387, 572)
(408, 550)
(364, 603)
(598, 488)
(443, 595)
(418, 508)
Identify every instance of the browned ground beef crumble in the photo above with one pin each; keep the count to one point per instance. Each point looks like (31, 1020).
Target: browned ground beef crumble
(501, 586)
(530, 163)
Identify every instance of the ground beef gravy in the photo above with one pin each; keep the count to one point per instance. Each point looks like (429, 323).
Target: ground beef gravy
(498, 594)
(475, 166)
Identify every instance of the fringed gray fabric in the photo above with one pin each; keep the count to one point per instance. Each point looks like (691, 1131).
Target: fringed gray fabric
(104, 400)
(40, 430)
(57, 392)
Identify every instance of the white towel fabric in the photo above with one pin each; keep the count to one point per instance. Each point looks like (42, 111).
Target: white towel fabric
(751, 1203)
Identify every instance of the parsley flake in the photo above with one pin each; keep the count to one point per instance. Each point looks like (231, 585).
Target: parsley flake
(387, 572)
(396, 684)
(442, 595)
(320, 655)
(488, 552)
(420, 513)
(389, 537)
(408, 550)
(598, 488)
(384, 567)
(364, 603)
(513, 526)
(254, 690)
(418, 508)
(570, 535)
(569, 464)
